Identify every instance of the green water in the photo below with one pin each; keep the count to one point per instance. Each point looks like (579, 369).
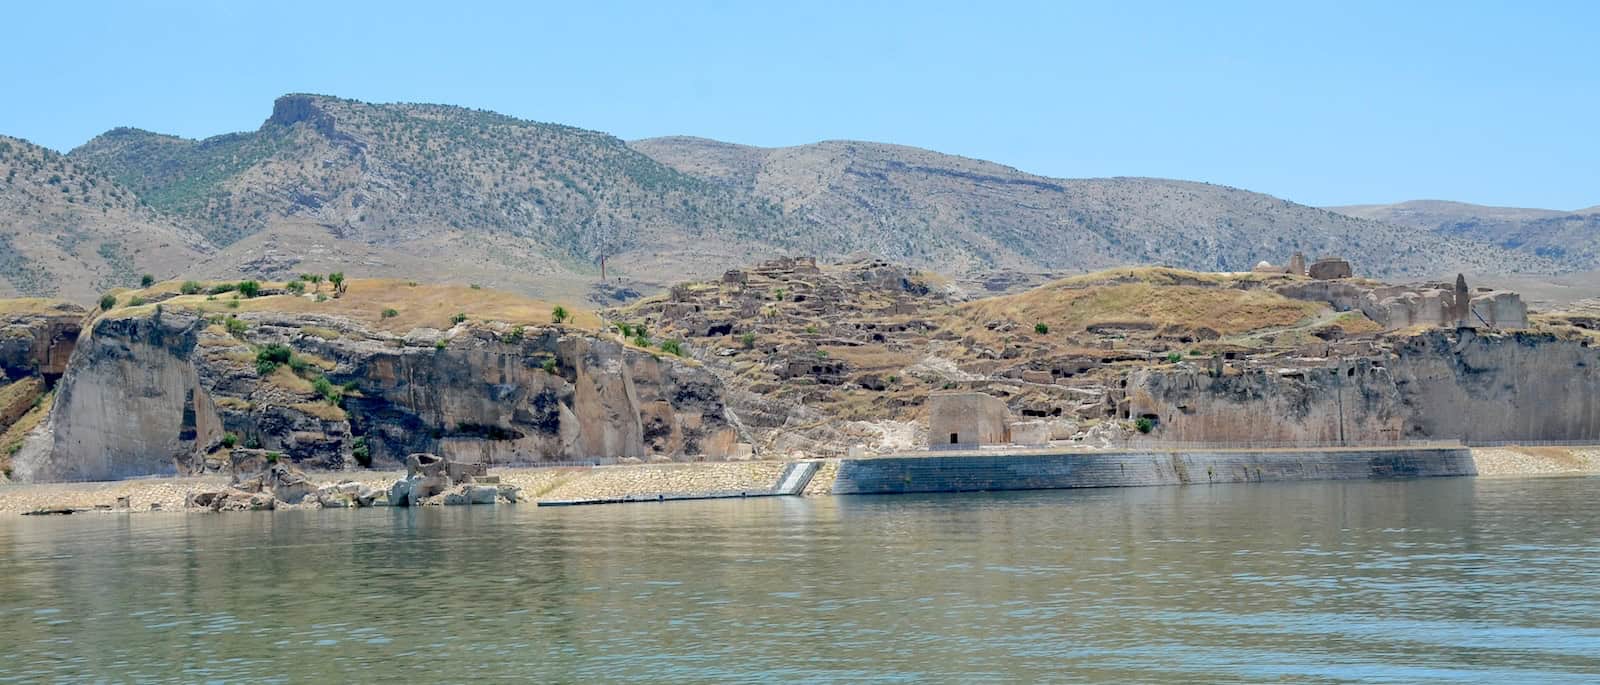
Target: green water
(1441, 580)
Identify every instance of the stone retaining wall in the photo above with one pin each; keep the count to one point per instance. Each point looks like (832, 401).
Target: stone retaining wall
(1041, 471)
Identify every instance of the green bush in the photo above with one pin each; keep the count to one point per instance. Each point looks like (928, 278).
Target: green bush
(624, 329)
(236, 326)
(191, 288)
(321, 297)
(295, 287)
(475, 286)
(273, 457)
(748, 340)
(390, 313)
(811, 330)
(440, 344)
(1174, 357)
(330, 392)
(249, 288)
(559, 314)
(672, 347)
(135, 301)
(1041, 328)
(221, 288)
(513, 336)
(641, 341)
(337, 279)
(1144, 425)
(549, 365)
(360, 450)
(146, 281)
(270, 357)
(460, 317)
(233, 304)
(229, 440)
(107, 302)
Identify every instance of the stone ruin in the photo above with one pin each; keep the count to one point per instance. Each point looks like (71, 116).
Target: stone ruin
(966, 419)
(1324, 269)
(1428, 304)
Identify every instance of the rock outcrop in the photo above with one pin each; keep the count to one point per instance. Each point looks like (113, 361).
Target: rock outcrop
(168, 392)
(1439, 385)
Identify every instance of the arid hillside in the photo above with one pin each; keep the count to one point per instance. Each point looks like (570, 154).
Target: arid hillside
(1570, 239)
(69, 230)
(957, 215)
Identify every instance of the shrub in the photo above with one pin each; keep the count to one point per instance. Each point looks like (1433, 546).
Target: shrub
(337, 279)
(390, 313)
(549, 365)
(221, 288)
(191, 288)
(270, 357)
(233, 304)
(624, 329)
(811, 330)
(135, 301)
(1041, 328)
(273, 457)
(641, 340)
(475, 286)
(146, 281)
(360, 450)
(778, 294)
(559, 314)
(1174, 357)
(229, 440)
(440, 344)
(249, 288)
(748, 340)
(321, 297)
(672, 347)
(107, 302)
(640, 331)
(236, 326)
(512, 336)
(295, 287)
(1144, 425)
(460, 317)
(330, 392)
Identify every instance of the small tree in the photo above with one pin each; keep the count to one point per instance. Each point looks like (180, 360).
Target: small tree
(146, 281)
(1041, 328)
(249, 288)
(559, 314)
(107, 301)
(459, 317)
(191, 288)
(337, 279)
(316, 281)
(1144, 425)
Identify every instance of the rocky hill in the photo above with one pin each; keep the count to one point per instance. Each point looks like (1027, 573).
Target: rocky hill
(1570, 239)
(436, 192)
(959, 215)
(70, 230)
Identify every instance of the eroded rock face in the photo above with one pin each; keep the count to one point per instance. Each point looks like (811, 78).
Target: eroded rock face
(1445, 385)
(39, 342)
(161, 393)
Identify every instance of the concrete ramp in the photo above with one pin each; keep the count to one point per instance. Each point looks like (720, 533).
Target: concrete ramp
(795, 478)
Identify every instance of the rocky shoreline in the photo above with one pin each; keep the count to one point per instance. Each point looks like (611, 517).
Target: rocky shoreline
(534, 484)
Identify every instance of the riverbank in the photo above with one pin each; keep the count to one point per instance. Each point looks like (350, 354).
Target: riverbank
(539, 484)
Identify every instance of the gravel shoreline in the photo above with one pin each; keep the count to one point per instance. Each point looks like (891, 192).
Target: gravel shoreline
(567, 483)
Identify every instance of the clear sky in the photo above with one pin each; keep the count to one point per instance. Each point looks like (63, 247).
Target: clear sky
(1318, 102)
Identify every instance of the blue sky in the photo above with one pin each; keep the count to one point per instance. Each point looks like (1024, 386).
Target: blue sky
(1318, 102)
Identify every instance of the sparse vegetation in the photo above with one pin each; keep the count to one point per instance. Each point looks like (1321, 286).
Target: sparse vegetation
(674, 347)
(558, 314)
(459, 318)
(249, 288)
(513, 336)
(229, 440)
(390, 313)
(1041, 328)
(1144, 425)
(748, 340)
(295, 287)
(337, 280)
(191, 288)
(146, 281)
(136, 301)
(269, 357)
(548, 365)
(108, 302)
(1174, 357)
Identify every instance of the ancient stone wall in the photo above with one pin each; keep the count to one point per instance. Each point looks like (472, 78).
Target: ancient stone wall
(966, 419)
(1037, 471)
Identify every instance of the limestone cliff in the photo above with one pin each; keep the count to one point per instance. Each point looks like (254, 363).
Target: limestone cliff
(152, 392)
(1438, 385)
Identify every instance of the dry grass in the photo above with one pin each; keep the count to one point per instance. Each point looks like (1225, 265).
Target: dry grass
(16, 398)
(285, 378)
(37, 306)
(1071, 307)
(234, 403)
(321, 410)
(365, 300)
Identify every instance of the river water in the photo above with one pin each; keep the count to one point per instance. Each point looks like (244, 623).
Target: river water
(1439, 580)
